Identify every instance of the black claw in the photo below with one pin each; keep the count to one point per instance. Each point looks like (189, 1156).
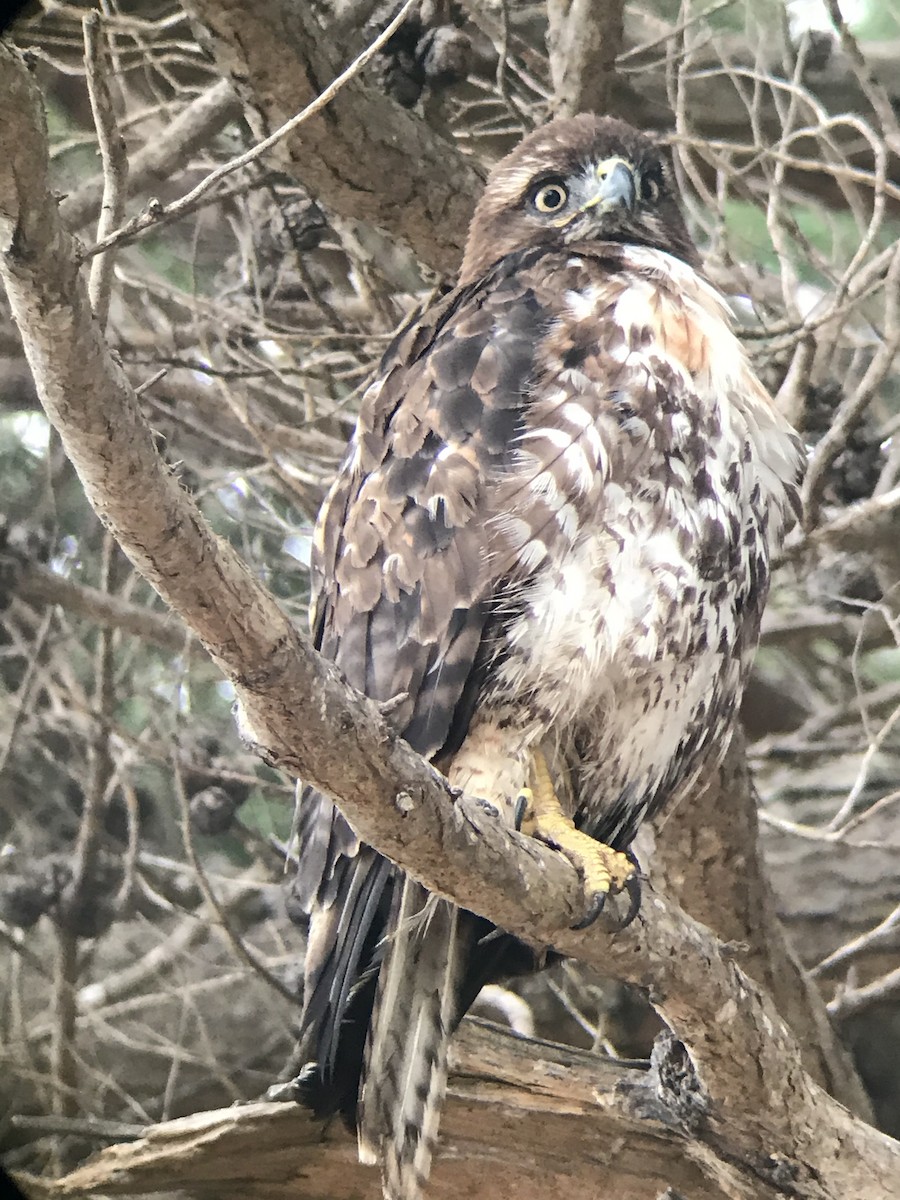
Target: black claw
(633, 891)
(594, 909)
(519, 812)
(633, 888)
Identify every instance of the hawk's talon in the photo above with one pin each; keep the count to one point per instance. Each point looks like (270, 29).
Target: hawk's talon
(594, 909)
(602, 868)
(523, 800)
(633, 888)
(485, 805)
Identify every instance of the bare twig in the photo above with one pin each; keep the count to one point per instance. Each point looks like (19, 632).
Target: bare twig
(854, 1000)
(96, 1130)
(87, 846)
(872, 89)
(159, 157)
(860, 526)
(851, 409)
(37, 584)
(237, 944)
(883, 934)
(63, 1060)
(177, 208)
(18, 708)
(113, 158)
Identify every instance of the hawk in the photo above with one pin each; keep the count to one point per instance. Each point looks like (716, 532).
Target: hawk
(548, 547)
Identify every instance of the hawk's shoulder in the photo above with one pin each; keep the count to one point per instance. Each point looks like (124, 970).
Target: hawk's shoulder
(401, 582)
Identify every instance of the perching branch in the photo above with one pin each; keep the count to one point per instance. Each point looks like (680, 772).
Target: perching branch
(518, 1112)
(707, 856)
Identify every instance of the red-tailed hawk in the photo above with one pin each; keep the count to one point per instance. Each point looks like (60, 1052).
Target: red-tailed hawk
(550, 539)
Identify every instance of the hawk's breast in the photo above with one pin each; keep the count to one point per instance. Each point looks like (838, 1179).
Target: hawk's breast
(638, 512)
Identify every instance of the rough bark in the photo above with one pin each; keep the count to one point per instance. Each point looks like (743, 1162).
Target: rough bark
(707, 857)
(583, 39)
(535, 1118)
(371, 158)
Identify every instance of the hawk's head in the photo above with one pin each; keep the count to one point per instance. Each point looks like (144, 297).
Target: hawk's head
(579, 178)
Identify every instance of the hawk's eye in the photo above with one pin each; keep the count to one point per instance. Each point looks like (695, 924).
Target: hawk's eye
(650, 189)
(550, 197)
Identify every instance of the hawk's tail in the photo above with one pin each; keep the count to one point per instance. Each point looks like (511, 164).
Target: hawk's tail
(417, 1008)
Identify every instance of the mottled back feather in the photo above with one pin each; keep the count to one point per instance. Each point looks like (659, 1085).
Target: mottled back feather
(403, 597)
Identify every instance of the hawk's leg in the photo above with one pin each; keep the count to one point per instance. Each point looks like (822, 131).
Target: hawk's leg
(603, 869)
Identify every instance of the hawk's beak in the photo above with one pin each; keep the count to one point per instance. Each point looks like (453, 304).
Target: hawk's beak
(617, 188)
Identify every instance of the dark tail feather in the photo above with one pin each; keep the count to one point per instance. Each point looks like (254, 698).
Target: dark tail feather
(341, 964)
(416, 1010)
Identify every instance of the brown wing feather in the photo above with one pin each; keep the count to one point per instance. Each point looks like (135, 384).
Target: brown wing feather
(403, 593)
(400, 554)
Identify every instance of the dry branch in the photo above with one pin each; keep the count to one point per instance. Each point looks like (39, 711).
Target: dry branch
(584, 39)
(520, 1113)
(39, 585)
(372, 159)
(752, 1117)
(154, 162)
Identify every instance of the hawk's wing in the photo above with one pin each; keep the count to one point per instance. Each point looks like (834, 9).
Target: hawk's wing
(401, 578)
(403, 593)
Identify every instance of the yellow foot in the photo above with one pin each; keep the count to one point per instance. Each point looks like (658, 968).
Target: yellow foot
(603, 869)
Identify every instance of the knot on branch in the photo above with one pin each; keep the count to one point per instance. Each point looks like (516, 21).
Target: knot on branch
(856, 469)
(90, 901)
(426, 51)
(677, 1085)
(213, 810)
(781, 1172)
(33, 891)
(19, 547)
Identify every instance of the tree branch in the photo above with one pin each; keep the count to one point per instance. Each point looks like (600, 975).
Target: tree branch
(186, 203)
(158, 158)
(36, 584)
(365, 156)
(706, 855)
(518, 1112)
(583, 38)
(741, 1085)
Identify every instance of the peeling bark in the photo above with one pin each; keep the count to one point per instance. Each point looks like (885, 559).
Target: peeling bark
(533, 1118)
